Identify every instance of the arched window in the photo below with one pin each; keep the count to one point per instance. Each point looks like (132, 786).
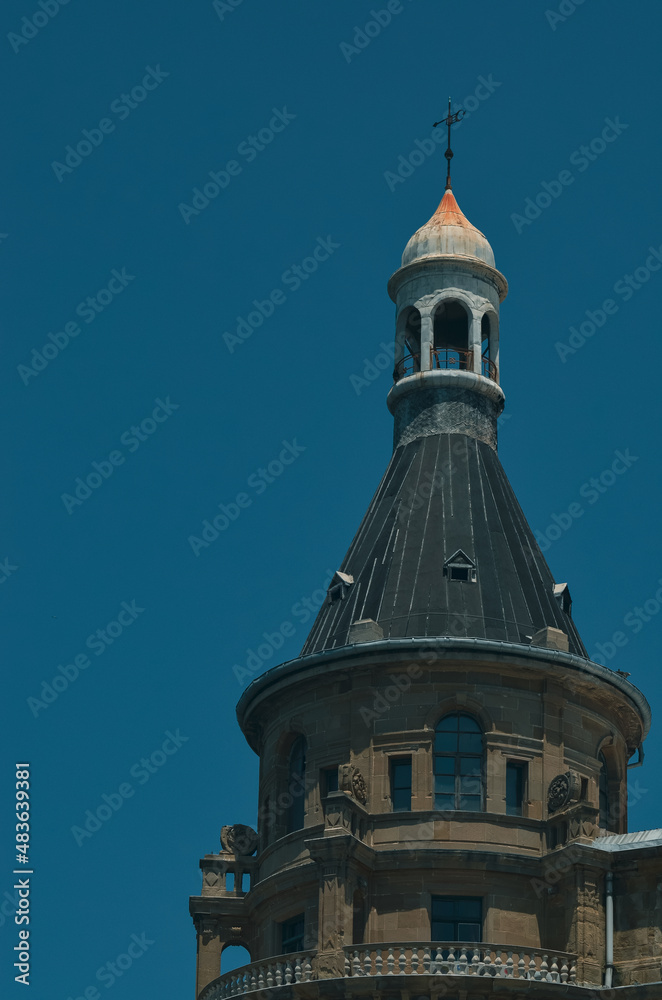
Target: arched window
(487, 348)
(603, 787)
(485, 336)
(296, 785)
(451, 337)
(458, 763)
(409, 335)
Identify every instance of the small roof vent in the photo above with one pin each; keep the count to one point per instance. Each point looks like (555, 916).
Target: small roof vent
(340, 584)
(563, 598)
(460, 567)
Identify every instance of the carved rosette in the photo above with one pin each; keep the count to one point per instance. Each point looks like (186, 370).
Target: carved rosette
(558, 792)
(563, 789)
(239, 840)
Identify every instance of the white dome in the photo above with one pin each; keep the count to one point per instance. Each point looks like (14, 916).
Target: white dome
(448, 232)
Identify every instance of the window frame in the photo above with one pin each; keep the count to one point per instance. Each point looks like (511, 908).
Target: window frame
(296, 811)
(522, 767)
(301, 936)
(459, 756)
(455, 901)
(395, 762)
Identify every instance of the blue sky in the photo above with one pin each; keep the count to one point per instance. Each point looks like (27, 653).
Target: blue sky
(168, 96)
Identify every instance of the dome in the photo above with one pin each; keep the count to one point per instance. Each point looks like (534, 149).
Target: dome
(448, 232)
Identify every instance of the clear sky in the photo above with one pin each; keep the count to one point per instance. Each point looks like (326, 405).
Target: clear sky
(121, 302)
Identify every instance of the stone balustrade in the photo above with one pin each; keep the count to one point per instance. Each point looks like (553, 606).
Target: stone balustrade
(460, 960)
(411, 959)
(280, 971)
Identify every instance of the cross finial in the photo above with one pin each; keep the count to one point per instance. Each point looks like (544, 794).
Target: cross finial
(450, 119)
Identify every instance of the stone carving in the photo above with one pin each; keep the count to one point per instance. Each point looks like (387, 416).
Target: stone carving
(558, 793)
(211, 878)
(351, 780)
(239, 840)
(359, 787)
(563, 789)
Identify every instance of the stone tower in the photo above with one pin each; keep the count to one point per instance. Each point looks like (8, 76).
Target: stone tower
(443, 771)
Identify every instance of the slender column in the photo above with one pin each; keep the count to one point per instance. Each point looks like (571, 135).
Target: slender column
(210, 947)
(427, 339)
(475, 343)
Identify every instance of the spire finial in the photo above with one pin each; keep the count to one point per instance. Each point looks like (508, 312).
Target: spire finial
(451, 119)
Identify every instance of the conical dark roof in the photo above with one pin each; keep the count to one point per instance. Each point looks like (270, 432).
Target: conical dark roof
(443, 494)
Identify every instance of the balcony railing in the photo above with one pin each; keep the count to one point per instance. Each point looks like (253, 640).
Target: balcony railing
(460, 960)
(280, 971)
(444, 358)
(436, 959)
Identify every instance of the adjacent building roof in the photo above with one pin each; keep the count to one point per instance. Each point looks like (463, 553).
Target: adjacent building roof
(629, 841)
(442, 495)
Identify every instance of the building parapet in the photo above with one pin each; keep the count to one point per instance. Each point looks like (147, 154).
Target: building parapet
(396, 959)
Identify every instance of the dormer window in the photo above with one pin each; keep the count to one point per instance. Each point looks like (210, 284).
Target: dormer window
(460, 568)
(563, 598)
(339, 587)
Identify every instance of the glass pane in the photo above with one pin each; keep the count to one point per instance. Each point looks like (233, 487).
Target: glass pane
(514, 789)
(444, 783)
(402, 774)
(401, 799)
(444, 765)
(471, 743)
(468, 932)
(471, 802)
(446, 742)
(470, 909)
(442, 931)
(331, 776)
(448, 724)
(469, 725)
(470, 765)
(470, 785)
(444, 802)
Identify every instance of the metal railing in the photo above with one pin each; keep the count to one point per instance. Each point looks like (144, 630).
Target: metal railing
(444, 358)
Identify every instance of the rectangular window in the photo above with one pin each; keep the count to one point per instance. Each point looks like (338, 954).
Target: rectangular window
(456, 918)
(515, 787)
(329, 780)
(291, 935)
(401, 784)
